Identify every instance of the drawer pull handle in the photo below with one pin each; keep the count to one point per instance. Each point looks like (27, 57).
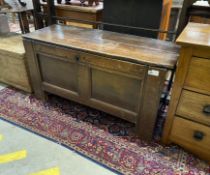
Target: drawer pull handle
(206, 110)
(198, 135)
(77, 58)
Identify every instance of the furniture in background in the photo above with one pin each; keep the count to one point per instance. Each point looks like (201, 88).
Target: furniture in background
(84, 16)
(165, 18)
(193, 13)
(174, 19)
(184, 18)
(78, 15)
(120, 15)
(188, 121)
(119, 74)
(200, 12)
(13, 68)
(22, 13)
(150, 14)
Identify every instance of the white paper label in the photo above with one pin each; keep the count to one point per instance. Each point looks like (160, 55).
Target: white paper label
(153, 73)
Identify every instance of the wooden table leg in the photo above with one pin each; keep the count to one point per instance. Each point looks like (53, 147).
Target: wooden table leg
(23, 20)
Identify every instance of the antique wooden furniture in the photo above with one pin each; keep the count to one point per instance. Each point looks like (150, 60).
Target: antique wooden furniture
(174, 18)
(165, 18)
(188, 121)
(152, 14)
(184, 17)
(200, 12)
(78, 14)
(13, 68)
(116, 73)
(21, 12)
(193, 11)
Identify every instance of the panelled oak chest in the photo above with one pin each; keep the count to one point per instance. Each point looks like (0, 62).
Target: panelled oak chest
(119, 74)
(188, 122)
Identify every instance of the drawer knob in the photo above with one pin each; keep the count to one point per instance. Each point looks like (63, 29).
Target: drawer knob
(77, 57)
(206, 110)
(198, 135)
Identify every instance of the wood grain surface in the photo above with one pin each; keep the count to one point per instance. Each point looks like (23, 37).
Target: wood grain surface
(13, 67)
(187, 123)
(196, 34)
(126, 47)
(115, 73)
(191, 106)
(183, 133)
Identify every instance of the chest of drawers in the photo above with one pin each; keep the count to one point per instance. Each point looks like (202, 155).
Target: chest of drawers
(188, 121)
(120, 74)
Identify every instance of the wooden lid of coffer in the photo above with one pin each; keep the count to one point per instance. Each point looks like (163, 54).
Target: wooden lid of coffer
(120, 46)
(196, 34)
(12, 45)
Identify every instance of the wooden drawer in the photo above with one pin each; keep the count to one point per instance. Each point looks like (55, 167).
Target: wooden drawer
(198, 77)
(193, 136)
(194, 106)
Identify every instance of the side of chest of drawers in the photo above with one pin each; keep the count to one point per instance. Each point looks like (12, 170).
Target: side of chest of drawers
(188, 121)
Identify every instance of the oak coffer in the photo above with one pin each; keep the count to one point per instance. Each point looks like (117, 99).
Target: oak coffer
(120, 74)
(188, 121)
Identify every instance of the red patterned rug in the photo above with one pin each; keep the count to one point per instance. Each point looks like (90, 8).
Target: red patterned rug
(96, 135)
